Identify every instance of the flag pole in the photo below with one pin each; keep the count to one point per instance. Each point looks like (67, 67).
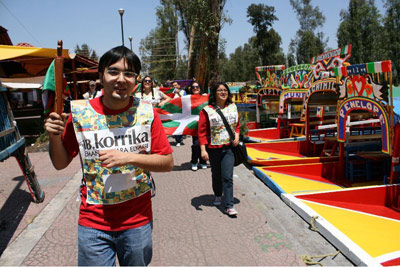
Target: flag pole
(58, 77)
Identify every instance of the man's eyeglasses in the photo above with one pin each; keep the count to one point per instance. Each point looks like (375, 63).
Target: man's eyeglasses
(127, 73)
(147, 81)
(222, 91)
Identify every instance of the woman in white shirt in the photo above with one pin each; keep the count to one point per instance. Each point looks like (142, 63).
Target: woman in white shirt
(93, 92)
(153, 95)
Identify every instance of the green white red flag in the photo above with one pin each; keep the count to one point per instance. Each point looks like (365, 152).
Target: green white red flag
(49, 88)
(180, 115)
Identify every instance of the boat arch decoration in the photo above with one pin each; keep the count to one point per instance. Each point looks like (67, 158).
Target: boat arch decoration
(296, 77)
(270, 92)
(361, 81)
(367, 104)
(272, 78)
(323, 67)
(290, 94)
(362, 89)
(325, 85)
(324, 64)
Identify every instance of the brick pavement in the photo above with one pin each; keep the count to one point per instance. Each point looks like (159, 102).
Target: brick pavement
(188, 229)
(17, 210)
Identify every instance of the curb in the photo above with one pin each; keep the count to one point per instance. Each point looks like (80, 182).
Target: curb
(19, 249)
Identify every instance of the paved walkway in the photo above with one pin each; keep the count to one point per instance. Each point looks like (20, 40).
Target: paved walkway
(188, 229)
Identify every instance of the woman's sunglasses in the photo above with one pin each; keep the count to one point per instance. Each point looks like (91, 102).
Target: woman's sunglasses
(147, 81)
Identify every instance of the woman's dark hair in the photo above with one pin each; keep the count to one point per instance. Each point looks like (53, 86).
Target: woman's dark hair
(191, 88)
(151, 86)
(213, 92)
(115, 54)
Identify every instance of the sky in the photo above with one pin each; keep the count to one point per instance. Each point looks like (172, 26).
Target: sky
(98, 23)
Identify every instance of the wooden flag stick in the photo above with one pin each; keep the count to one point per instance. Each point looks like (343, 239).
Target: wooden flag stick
(58, 77)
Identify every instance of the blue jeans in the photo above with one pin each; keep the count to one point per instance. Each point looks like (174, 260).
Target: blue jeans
(134, 247)
(222, 161)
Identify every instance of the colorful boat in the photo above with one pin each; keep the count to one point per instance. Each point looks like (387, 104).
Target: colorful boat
(306, 87)
(353, 199)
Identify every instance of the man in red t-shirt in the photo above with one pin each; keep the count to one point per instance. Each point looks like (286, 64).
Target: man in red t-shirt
(120, 141)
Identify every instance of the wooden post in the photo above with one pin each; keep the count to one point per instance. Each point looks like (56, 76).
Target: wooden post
(391, 113)
(307, 131)
(58, 77)
(75, 87)
(342, 166)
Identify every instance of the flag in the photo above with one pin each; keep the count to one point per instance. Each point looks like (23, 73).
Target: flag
(136, 89)
(168, 91)
(181, 115)
(49, 84)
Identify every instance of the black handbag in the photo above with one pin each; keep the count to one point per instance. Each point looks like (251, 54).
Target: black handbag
(240, 151)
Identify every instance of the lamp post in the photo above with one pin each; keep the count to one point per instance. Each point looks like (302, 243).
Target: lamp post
(121, 13)
(130, 40)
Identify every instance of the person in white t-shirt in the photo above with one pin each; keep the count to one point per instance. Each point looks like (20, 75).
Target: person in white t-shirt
(178, 92)
(149, 93)
(93, 92)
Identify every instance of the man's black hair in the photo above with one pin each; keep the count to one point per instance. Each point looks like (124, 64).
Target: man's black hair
(115, 54)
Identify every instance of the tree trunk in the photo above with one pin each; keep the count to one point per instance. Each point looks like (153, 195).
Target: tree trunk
(202, 66)
(191, 54)
(216, 7)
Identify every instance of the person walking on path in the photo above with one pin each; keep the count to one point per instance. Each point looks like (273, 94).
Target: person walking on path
(93, 92)
(195, 89)
(151, 94)
(120, 140)
(216, 145)
(178, 92)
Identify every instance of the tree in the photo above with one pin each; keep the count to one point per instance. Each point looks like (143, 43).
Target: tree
(241, 64)
(268, 40)
(306, 44)
(159, 50)
(86, 51)
(392, 37)
(360, 26)
(201, 21)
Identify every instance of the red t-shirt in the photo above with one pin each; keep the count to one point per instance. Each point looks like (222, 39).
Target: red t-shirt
(204, 131)
(130, 214)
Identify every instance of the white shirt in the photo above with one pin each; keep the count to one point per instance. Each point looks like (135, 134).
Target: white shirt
(90, 95)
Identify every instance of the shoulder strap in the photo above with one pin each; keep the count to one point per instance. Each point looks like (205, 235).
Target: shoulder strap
(227, 126)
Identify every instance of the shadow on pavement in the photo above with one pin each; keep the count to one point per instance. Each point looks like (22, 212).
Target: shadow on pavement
(12, 212)
(183, 167)
(207, 201)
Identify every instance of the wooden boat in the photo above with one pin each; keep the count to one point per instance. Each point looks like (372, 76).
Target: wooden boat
(354, 199)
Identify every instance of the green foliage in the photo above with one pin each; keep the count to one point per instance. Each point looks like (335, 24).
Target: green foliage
(159, 49)
(268, 40)
(307, 43)
(392, 37)
(44, 137)
(241, 63)
(361, 27)
(86, 51)
(308, 46)
(310, 18)
(200, 21)
(243, 125)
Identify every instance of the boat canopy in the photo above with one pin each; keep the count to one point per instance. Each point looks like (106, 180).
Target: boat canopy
(13, 52)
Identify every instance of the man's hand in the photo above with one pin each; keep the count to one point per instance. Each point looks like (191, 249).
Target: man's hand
(115, 158)
(54, 124)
